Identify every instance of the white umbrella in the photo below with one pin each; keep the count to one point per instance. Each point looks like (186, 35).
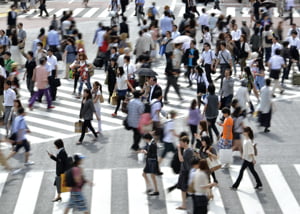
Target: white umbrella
(182, 39)
(215, 11)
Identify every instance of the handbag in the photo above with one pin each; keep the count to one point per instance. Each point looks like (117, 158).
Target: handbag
(114, 99)
(213, 164)
(78, 127)
(57, 82)
(63, 187)
(101, 98)
(125, 124)
(226, 156)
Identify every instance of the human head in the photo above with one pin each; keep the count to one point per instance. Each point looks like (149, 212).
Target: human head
(211, 89)
(248, 132)
(294, 33)
(193, 44)
(205, 141)
(59, 143)
(30, 54)
(43, 60)
(203, 125)
(120, 71)
(195, 162)
(87, 94)
(7, 84)
(17, 103)
(206, 46)
(7, 55)
(82, 56)
(193, 104)
(137, 94)
(173, 114)
(50, 52)
(152, 80)
(228, 72)
(20, 25)
(277, 51)
(184, 142)
(223, 45)
(226, 112)
(203, 166)
(147, 137)
(21, 111)
(78, 157)
(268, 82)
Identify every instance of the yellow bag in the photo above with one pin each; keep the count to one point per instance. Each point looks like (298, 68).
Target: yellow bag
(78, 127)
(101, 98)
(63, 187)
(114, 99)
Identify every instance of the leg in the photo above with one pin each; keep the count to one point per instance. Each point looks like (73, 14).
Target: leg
(89, 125)
(207, 68)
(80, 87)
(213, 125)
(84, 126)
(48, 97)
(136, 139)
(183, 197)
(254, 173)
(193, 129)
(153, 177)
(3, 161)
(120, 98)
(238, 181)
(146, 180)
(173, 82)
(76, 77)
(214, 177)
(167, 88)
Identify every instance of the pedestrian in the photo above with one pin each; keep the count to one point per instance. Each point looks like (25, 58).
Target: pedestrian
(2, 81)
(202, 83)
(52, 66)
(265, 106)
(267, 35)
(4, 41)
(14, 47)
(19, 130)
(185, 158)
(244, 52)
(124, 4)
(22, 35)
(238, 126)
(248, 160)
(42, 8)
(211, 111)
(251, 87)
(169, 136)
(9, 97)
(155, 89)
(70, 55)
(61, 159)
(151, 166)
(275, 64)
(156, 109)
(194, 119)
(40, 77)
(258, 70)
(111, 76)
(140, 14)
(121, 88)
(135, 110)
(226, 140)
(227, 89)
(53, 39)
(225, 60)
(208, 58)
(201, 187)
(11, 19)
(97, 93)
(190, 59)
(87, 110)
(145, 123)
(208, 151)
(77, 200)
(242, 95)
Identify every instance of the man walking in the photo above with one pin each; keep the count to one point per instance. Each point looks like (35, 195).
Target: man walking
(52, 63)
(265, 106)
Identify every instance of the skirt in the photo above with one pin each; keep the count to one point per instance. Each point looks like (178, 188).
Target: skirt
(77, 202)
(151, 166)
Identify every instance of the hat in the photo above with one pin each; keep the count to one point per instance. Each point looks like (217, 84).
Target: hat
(78, 156)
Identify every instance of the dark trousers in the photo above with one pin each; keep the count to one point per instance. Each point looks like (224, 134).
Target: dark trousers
(212, 125)
(120, 98)
(193, 129)
(30, 85)
(223, 67)
(200, 204)
(136, 139)
(76, 78)
(171, 81)
(43, 9)
(268, 52)
(86, 124)
(188, 74)
(207, 68)
(227, 101)
(53, 89)
(123, 7)
(250, 165)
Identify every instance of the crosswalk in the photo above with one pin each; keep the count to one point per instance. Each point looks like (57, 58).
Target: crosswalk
(103, 13)
(100, 195)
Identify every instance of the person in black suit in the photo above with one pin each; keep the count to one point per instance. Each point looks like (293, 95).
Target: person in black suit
(124, 3)
(124, 28)
(43, 8)
(62, 165)
(11, 19)
(190, 59)
(155, 90)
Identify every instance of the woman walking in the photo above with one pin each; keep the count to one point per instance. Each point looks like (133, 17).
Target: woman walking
(248, 157)
(97, 93)
(69, 55)
(111, 76)
(61, 159)
(121, 87)
(194, 119)
(86, 112)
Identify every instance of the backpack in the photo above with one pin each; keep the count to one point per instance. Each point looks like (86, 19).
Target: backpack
(69, 178)
(150, 12)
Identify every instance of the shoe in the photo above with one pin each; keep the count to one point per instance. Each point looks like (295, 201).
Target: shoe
(113, 114)
(273, 95)
(180, 208)
(233, 188)
(226, 166)
(50, 107)
(30, 107)
(258, 187)
(181, 99)
(160, 173)
(166, 102)
(281, 92)
(78, 143)
(14, 172)
(266, 130)
(28, 163)
(148, 191)
(56, 199)
(153, 194)
(170, 189)
(189, 86)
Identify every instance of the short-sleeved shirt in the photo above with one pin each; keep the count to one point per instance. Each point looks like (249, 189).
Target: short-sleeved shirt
(156, 106)
(208, 56)
(276, 62)
(187, 157)
(224, 57)
(76, 171)
(248, 150)
(71, 53)
(227, 128)
(19, 124)
(169, 137)
(122, 82)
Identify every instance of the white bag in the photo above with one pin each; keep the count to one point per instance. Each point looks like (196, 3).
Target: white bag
(140, 157)
(225, 156)
(213, 164)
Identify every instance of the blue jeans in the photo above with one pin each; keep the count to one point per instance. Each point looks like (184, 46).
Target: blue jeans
(87, 83)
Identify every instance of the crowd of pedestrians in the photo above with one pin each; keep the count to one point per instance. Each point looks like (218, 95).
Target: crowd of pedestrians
(201, 45)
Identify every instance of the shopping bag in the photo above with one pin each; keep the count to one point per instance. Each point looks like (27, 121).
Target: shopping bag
(114, 99)
(101, 98)
(225, 156)
(140, 157)
(213, 163)
(63, 187)
(78, 127)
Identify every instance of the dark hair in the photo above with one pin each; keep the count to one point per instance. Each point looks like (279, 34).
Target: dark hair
(21, 110)
(99, 86)
(237, 111)
(211, 89)
(2, 61)
(30, 53)
(226, 110)
(137, 94)
(248, 72)
(203, 165)
(207, 140)
(199, 69)
(7, 53)
(127, 58)
(250, 132)
(203, 124)
(42, 60)
(193, 104)
(147, 108)
(59, 143)
(121, 69)
(88, 91)
(268, 82)
(234, 102)
(277, 51)
(207, 44)
(185, 139)
(8, 82)
(147, 136)
(19, 102)
(195, 161)
(183, 134)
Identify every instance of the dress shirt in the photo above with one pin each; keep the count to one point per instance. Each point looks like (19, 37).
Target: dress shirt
(224, 55)
(274, 47)
(276, 62)
(19, 126)
(175, 34)
(166, 24)
(203, 19)
(236, 35)
(9, 97)
(208, 56)
(130, 69)
(135, 110)
(52, 60)
(53, 38)
(265, 100)
(294, 42)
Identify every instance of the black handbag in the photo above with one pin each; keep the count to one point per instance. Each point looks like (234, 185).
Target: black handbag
(57, 82)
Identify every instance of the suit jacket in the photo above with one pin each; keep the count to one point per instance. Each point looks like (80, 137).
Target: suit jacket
(186, 57)
(157, 92)
(124, 28)
(11, 21)
(61, 162)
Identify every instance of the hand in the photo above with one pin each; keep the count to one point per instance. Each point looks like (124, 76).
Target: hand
(197, 136)
(220, 124)
(49, 154)
(178, 146)
(254, 162)
(28, 131)
(225, 142)
(98, 118)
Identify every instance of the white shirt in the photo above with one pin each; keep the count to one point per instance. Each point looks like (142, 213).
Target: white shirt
(242, 96)
(203, 19)
(175, 34)
(276, 62)
(100, 37)
(274, 47)
(2, 72)
(130, 70)
(121, 60)
(200, 181)
(9, 97)
(236, 35)
(207, 38)
(169, 127)
(290, 32)
(294, 42)
(265, 100)
(248, 150)
(121, 82)
(208, 56)
(52, 62)
(155, 107)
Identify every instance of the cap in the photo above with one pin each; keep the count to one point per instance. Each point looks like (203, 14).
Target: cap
(78, 156)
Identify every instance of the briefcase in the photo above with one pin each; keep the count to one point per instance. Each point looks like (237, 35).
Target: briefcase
(296, 78)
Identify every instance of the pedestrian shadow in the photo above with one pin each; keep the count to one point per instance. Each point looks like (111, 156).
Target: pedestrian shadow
(92, 146)
(103, 139)
(273, 136)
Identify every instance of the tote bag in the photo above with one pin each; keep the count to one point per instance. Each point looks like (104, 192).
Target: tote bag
(63, 187)
(225, 156)
(213, 164)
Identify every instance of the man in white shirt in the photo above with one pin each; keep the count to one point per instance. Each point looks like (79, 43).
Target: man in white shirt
(9, 97)
(208, 59)
(294, 28)
(203, 19)
(294, 43)
(265, 106)
(52, 63)
(275, 45)
(166, 23)
(242, 95)
(275, 64)
(130, 70)
(175, 32)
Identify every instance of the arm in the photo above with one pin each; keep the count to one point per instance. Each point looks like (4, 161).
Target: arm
(180, 157)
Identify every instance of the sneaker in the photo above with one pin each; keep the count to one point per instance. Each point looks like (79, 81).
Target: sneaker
(166, 102)
(273, 95)
(28, 163)
(154, 194)
(233, 188)
(258, 187)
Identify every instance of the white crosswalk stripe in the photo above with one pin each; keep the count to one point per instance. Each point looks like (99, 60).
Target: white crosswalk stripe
(92, 12)
(139, 202)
